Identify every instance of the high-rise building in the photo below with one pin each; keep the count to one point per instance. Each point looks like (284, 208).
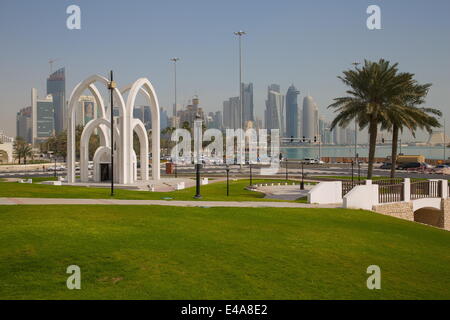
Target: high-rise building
(310, 119)
(191, 112)
(247, 102)
(163, 119)
(274, 113)
(56, 86)
(24, 124)
(231, 113)
(43, 121)
(292, 114)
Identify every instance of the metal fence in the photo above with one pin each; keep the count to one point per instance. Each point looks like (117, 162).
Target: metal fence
(390, 193)
(348, 185)
(387, 182)
(426, 189)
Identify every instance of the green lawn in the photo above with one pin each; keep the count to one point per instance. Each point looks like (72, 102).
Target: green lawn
(212, 192)
(160, 252)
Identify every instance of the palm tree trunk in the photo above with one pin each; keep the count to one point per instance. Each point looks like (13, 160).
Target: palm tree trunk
(373, 131)
(394, 149)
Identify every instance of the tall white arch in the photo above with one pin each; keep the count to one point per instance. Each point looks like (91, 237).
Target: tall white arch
(125, 125)
(103, 124)
(150, 93)
(73, 103)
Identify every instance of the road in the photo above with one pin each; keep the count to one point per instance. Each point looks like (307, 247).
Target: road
(293, 171)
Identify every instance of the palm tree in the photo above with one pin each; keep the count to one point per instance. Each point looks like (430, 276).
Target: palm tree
(26, 151)
(374, 89)
(407, 114)
(18, 146)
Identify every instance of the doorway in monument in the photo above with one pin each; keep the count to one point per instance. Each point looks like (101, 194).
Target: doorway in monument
(105, 172)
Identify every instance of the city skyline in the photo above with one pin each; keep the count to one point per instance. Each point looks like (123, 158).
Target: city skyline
(322, 49)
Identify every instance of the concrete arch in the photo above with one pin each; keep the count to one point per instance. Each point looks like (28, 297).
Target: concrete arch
(73, 103)
(430, 216)
(145, 84)
(4, 156)
(103, 124)
(140, 130)
(435, 203)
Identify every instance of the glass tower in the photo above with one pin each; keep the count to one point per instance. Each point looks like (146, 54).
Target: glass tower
(56, 86)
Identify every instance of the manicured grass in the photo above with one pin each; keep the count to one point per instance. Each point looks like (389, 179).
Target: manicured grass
(212, 192)
(160, 252)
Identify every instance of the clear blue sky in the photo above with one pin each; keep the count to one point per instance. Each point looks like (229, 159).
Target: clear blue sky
(307, 43)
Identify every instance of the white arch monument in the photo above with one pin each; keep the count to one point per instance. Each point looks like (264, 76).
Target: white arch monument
(124, 155)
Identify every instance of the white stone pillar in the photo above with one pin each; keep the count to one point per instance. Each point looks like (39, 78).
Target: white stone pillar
(444, 184)
(407, 189)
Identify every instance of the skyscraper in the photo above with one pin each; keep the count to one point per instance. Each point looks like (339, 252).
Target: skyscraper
(274, 113)
(56, 86)
(24, 124)
(247, 102)
(231, 113)
(292, 114)
(43, 125)
(310, 118)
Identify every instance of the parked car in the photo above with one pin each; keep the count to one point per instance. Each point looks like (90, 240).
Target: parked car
(309, 161)
(414, 166)
(442, 169)
(58, 168)
(386, 166)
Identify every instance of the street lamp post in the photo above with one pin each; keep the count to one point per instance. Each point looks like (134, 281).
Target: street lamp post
(198, 144)
(352, 170)
(227, 168)
(356, 64)
(175, 84)
(302, 183)
(54, 173)
(445, 142)
(359, 170)
(240, 33)
(175, 165)
(111, 87)
(286, 169)
(251, 177)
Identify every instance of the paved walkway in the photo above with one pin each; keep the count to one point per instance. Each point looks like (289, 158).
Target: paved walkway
(249, 204)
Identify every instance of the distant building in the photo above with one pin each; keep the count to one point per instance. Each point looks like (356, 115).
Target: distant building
(163, 119)
(310, 118)
(6, 148)
(292, 114)
(231, 113)
(191, 112)
(24, 124)
(56, 86)
(274, 113)
(43, 120)
(247, 102)
(214, 120)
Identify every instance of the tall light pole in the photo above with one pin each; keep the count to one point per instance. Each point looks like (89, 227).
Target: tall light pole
(445, 143)
(111, 87)
(356, 64)
(240, 33)
(175, 84)
(198, 145)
